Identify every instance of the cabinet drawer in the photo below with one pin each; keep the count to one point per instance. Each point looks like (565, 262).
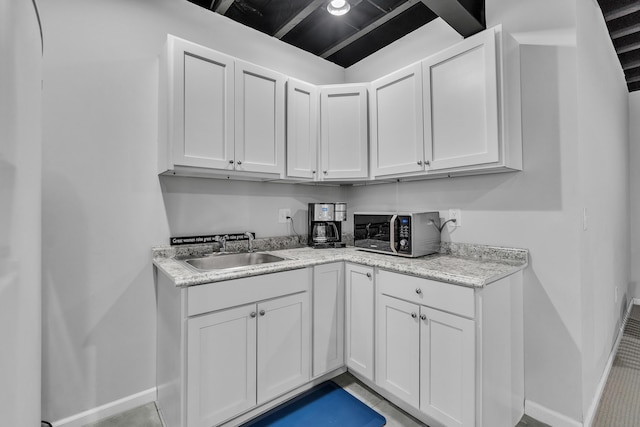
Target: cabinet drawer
(231, 293)
(439, 295)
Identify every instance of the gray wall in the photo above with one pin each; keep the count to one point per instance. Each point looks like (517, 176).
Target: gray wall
(104, 207)
(20, 192)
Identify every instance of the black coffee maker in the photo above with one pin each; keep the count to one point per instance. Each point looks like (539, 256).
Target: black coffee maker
(325, 224)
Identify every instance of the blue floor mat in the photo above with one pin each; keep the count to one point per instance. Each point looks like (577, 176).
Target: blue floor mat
(322, 406)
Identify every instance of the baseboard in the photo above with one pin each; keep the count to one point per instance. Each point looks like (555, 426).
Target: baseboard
(607, 369)
(109, 409)
(549, 416)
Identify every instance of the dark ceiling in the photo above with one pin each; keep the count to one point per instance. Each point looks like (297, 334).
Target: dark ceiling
(623, 21)
(369, 26)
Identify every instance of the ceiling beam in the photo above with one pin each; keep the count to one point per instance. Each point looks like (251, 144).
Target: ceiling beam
(621, 11)
(223, 6)
(366, 30)
(298, 18)
(464, 16)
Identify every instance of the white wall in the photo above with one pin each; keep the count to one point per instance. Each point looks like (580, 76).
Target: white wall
(604, 177)
(20, 192)
(534, 209)
(103, 204)
(415, 46)
(634, 190)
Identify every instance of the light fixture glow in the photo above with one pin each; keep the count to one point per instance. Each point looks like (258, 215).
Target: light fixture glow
(338, 7)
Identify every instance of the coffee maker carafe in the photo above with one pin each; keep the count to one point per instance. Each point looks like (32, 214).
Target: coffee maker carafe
(325, 224)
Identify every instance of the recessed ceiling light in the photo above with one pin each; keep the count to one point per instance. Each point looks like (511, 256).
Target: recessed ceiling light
(338, 7)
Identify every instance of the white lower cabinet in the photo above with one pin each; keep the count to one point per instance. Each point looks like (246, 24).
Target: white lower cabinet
(226, 348)
(449, 355)
(328, 318)
(245, 356)
(452, 355)
(221, 365)
(359, 322)
(439, 345)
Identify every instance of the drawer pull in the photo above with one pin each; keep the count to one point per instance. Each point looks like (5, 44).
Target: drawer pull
(414, 315)
(253, 314)
(418, 291)
(369, 275)
(262, 312)
(423, 316)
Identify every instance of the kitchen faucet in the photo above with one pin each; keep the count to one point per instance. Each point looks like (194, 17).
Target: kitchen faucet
(250, 236)
(222, 240)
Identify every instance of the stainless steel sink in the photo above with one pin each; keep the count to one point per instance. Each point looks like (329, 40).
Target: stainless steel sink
(224, 261)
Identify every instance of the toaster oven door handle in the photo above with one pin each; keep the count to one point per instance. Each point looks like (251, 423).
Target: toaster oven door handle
(392, 233)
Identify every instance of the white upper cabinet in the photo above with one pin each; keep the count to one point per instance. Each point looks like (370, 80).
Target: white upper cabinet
(397, 138)
(200, 105)
(302, 129)
(344, 134)
(219, 114)
(458, 112)
(461, 104)
(259, 118)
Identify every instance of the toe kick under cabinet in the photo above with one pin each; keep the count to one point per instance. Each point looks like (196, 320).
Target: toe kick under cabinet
(453, 353)
(225, 348)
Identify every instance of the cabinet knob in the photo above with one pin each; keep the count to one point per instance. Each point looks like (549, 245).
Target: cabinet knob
(253, 314)
(239, 162)
(419, 162)
(369, 275)
(418, 291)
(423, 316)
(230, 162)
(262, 312)
(313, 171)
(427, 163)
(324, 172)
(414, 315)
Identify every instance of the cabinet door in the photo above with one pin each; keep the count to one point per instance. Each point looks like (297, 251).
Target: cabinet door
(283, 345)
(302, 129)
(344, 137)
(447, 367)
(221, 365)
(397, 137)
(461, 104)
(328, 318)
(398, 344)
(259, 145)
(360, 320)
(202, 106)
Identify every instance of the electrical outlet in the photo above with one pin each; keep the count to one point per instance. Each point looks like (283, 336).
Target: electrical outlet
(457, 215)
(283, 214)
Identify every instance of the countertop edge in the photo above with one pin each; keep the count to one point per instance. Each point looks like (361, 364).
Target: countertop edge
(182, 276)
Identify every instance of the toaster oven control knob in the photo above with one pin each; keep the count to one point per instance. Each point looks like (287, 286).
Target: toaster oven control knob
(403, 243)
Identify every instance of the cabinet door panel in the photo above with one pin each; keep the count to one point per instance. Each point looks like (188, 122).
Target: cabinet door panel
(259, 118)
(359, 320)
(344, 136)
(328, 318)
(397, 136)
(221, 365)
(461, 104)
(203, 130)
(447, 368)
(283, 345)
(398, 359)
(302, 129)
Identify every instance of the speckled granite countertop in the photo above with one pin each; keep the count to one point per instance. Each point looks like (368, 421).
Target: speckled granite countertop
(459, 264)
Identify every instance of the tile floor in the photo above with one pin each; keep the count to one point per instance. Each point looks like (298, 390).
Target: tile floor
(147, 415)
